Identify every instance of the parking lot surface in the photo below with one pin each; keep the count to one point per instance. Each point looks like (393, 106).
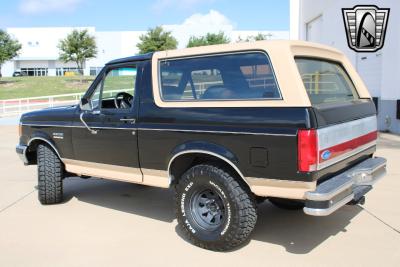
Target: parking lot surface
(109, 223)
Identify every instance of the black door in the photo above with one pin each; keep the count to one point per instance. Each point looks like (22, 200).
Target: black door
(105, 139)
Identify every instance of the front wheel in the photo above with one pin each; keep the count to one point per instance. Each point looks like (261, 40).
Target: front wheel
(213, 209)
(50, 175)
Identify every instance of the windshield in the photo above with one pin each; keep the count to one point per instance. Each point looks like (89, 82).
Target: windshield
(325, 81)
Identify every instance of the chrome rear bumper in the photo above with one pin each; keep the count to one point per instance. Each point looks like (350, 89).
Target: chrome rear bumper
(349, 186)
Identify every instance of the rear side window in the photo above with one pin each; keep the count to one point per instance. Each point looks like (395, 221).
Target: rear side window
(243, 76)
(325, 81)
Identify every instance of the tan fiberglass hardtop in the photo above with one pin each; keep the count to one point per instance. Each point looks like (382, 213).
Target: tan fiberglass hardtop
(281, 54)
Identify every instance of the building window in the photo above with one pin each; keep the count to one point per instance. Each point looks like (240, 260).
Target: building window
(94, 71)
(62, 71)
(33, 44)
(35, 71)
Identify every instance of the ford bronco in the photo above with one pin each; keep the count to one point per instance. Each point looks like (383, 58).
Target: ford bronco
(226, 126)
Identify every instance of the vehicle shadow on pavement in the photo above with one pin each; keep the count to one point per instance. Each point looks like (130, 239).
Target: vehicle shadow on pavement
(146, 201)
(297, 232)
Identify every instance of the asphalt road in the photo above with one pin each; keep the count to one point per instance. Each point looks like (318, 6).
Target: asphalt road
(108, 223)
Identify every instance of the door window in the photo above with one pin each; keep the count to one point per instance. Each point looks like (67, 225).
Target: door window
(95, 98)
(119, 88)
(116, 90)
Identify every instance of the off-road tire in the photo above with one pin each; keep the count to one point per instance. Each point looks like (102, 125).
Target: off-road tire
(240, 214)
(287, 204)
(50, 175)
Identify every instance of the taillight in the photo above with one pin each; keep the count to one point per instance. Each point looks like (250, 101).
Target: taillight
(307, 150)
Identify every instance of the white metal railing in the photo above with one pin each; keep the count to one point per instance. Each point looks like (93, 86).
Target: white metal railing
(16, 106)
(9, 107)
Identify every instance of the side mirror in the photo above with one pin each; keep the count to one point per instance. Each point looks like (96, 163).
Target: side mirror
(85, 104)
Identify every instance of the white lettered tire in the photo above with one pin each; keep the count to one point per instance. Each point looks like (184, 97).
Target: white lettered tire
(214, 211)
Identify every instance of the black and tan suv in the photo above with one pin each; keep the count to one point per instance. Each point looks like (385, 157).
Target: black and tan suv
(226, 126)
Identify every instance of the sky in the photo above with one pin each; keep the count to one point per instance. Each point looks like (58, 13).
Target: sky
(119, 15)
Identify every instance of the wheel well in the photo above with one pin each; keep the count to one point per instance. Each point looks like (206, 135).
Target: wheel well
(31, 152)
(184, 162)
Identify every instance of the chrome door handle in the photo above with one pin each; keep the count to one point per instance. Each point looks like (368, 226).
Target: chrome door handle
(131, 121)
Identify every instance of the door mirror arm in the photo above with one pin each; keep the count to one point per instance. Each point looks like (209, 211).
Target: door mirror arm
(93, 131)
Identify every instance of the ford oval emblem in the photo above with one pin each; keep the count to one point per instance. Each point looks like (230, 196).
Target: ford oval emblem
(326, 155)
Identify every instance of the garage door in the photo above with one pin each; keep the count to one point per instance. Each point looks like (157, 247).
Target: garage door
(314, 30)
(369, 66)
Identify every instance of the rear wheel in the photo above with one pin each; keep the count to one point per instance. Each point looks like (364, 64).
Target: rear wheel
(287, 204)
(213, 209)
(50, 175)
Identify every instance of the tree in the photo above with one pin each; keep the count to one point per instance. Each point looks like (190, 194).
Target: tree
(78, 47)
(258, 37)
(156, 39)
(197, 41)
(208, 39)
(9, 47)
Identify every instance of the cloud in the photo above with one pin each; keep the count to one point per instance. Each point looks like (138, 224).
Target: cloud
(200, 24)
(161, 5)
(45, 6)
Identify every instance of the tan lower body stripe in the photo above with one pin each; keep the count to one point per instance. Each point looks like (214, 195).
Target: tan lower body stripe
(280, 188)
(159, 178)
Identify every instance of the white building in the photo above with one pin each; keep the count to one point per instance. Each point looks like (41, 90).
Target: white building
(39, 54)
(322, 22)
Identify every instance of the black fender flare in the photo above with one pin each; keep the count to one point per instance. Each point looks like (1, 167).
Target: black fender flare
(207, 148)
(43, 137)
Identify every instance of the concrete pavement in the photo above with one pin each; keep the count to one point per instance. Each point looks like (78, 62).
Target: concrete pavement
(109, 223)
(12, 120)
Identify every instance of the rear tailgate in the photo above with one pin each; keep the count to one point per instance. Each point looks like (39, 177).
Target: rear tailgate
(341, 141)
(346, 124)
